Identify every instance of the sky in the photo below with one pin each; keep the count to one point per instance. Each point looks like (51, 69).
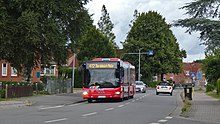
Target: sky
(121, 13)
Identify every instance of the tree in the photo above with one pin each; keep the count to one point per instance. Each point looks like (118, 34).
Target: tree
(105, 25)
(150, 32)
(95, 44)
(38, 31)
(204, 17)
(211, 65)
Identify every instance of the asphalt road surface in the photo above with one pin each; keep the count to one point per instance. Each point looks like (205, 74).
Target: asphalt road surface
(144, 108)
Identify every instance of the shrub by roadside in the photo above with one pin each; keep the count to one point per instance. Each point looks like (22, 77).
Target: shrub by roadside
(214, 95)
(218, 86)
(186, 104)
(210, 87)
(153, 84)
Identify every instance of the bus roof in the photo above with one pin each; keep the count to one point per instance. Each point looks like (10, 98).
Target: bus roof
(106, 59)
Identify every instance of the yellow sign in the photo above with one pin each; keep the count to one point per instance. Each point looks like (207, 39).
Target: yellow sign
(101, 66)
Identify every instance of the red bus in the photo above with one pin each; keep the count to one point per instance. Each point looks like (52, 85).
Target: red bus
(107, 78)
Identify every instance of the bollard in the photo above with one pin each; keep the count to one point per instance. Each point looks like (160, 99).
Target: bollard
(188, 91)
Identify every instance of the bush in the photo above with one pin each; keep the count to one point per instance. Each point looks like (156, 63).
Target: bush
(210, 87)
(218, 86)
(186, 105)
(44, 92)
(2, 93)
(11, 83)
(78, 79)
(38, 86)
(153, 83)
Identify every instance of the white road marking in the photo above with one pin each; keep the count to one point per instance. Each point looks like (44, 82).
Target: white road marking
(51, 121)
(127, 103)
(93, 113)
(52, 107)
(75, 104)
(168, 117)
(137, 99)
(108, 109)
(121, 106)
(133, 101)
(154, 123)
(162, 121)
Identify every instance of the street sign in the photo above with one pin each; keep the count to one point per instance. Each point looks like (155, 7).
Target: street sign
(192, 74)
(199, 76)
(150, 52)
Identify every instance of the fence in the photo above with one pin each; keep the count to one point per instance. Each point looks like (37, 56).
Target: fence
(58, 86)
(17, 91)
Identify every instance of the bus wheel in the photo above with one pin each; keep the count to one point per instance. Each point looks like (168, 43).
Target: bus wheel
(132, 96)
(89, 100)
(120, 99)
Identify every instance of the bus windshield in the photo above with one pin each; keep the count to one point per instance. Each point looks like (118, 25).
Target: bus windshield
(103, 78)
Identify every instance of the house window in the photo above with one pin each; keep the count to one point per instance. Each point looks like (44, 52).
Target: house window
(53, 70)
(187, 73)
(13, 71)
(48, 70)
(4, 69)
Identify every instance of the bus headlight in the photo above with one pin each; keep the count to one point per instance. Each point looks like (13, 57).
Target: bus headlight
(85, 93)
(117, 93)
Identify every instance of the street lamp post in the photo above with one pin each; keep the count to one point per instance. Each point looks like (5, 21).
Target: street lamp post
(139, 64)
(150, 53)
(73, 73)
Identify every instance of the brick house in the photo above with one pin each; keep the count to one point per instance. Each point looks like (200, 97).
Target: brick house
(192, 72)
(9, 73)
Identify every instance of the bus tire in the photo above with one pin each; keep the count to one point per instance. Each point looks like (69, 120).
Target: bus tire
(89, 100)
(120, 99)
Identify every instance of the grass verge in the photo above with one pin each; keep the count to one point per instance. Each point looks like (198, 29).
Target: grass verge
(214, 95)
(186, 106)
(186, 103)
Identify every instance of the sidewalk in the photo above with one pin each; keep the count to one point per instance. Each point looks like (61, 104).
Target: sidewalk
(204, 108)
(44, 100)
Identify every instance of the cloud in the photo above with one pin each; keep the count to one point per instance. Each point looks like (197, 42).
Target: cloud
(121, 13)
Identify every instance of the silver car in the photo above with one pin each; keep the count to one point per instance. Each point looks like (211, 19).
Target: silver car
(140, 86)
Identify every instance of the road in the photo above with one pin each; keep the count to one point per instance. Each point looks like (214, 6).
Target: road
(145, 108)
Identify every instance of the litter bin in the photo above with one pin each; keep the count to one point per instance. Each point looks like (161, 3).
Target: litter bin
(188, 91)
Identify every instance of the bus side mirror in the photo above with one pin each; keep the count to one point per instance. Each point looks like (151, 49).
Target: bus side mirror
(122, 71)
(117, 73)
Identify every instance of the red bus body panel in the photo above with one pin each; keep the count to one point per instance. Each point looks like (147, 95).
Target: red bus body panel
(123, 91)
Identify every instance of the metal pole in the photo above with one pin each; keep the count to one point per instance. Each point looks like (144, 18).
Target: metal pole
(139, 65)
(72, 86)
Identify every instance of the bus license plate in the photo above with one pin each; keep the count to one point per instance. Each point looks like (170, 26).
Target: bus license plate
(101, 96)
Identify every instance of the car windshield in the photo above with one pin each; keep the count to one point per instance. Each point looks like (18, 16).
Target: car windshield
(139, 83)
(165, 84)
(104, 78)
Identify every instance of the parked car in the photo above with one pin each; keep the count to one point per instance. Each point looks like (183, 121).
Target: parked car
(164, 87)
(140, 86)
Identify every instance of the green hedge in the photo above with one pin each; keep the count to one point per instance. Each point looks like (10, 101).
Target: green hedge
(153, 83)
(38, 86)
(210, 87)
(77, 79)
(2, 93)
(11, 83)
(218, 86)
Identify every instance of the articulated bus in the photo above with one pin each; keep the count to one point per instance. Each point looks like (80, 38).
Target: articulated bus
(107, 78)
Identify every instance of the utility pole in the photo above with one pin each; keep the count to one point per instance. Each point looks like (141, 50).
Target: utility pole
(139, 64)
(150, 53)
(73, 73)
